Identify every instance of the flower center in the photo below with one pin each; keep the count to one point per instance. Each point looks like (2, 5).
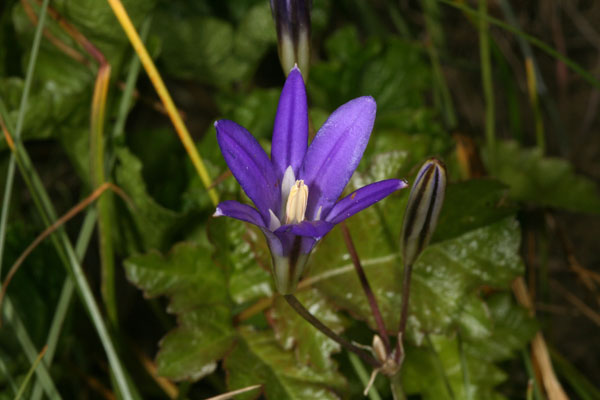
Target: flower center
(296, 203)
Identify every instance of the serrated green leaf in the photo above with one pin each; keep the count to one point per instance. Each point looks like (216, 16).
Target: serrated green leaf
(242, 250)
(277, 370)
(512, 329)
(153, 225)
(311, 346)
(426, 370)
(212, 50)
(197, 289)
(544, 181)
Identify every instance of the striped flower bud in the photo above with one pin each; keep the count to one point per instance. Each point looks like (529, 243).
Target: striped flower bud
(424, 205)
(292, 20)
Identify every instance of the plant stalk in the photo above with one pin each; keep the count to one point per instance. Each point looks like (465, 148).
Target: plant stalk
(404, 312)
(362, 277)
(314, 321)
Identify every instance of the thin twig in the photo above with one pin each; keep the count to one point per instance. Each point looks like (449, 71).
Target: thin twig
(362, 277)
(314, 321)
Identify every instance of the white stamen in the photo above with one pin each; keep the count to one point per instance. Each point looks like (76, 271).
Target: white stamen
(274, 223)
(319, 213)
(286, 184)
(218, 213)
(296, 203)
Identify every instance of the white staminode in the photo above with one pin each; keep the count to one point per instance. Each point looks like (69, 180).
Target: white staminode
(296, 204)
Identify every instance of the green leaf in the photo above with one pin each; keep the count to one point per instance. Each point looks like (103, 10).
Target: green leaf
(198, 294)
(211, 50)
(259, 359)
(512, 329)
(391, 70)
(293, 332)
(153, 225)
(544, 181)
(426, 370)
(242, 250)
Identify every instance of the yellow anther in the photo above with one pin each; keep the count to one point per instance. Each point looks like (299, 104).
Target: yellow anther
(296, 204)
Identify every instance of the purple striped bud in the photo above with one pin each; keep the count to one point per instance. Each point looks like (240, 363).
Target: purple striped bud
(424, 205)
(292, 20)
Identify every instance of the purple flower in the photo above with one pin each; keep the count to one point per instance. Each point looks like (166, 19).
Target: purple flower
(296, 191)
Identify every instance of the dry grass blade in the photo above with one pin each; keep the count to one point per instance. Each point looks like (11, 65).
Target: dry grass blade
(59, 222)
(170, 389)
(577, 303)
(164, 95)
(229, 395)
(539, 350)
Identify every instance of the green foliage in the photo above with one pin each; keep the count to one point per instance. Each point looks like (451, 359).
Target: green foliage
(277, 370)
(211, 50)
(199, 296)
(231, 329)
(544, 181)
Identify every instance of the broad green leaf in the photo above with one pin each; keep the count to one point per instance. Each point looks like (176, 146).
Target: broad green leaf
(512, 329)
(258, 358)
(492, 330)
(242, 250)
(311, 346)
(198, 294)
(211, 50)
(426, 371)
(153, 225)
(545, 181)
(485, 201)
(443, 276)
(391, 70)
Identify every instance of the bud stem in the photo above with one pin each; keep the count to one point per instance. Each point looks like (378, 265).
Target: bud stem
(314, 321)
(404, 312)
(362, 277)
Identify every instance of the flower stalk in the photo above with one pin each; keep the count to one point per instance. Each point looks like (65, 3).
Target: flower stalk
(314, 321)
(420, 220)
(362, 277)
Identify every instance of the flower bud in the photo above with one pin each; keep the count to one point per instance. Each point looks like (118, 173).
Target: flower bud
(292, 20)
(424, 205)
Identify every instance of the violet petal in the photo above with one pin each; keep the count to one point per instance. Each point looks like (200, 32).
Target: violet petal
(314, 229)
(290, 132)
(244, 212)
(363, 198)
(335, 153)
(250, 165)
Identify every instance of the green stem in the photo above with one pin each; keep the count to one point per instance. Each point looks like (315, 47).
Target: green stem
(34, 366)
(578, 69)
(311, 319)
(440, 366)
(11, 316)
(441, 92)
(66, 296)
(35, 47)
(67, 254)
(363, 375)
(486, 78)
(105, 202)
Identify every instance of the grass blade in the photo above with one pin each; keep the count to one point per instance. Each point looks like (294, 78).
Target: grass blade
(486, 79)
(30, 373)
(66, 295)
(67, 254)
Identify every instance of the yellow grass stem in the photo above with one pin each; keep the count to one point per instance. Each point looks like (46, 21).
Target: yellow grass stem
(164, 95)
